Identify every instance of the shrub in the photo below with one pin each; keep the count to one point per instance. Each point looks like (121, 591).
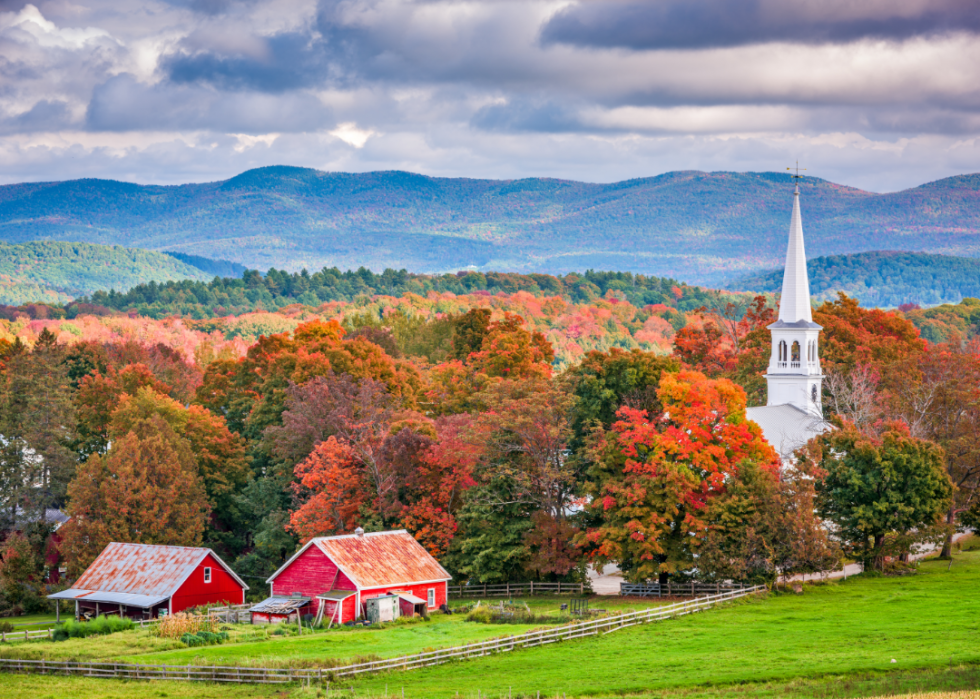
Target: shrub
(100, 626)
(481, 615)
(6, 627)
(203, 638)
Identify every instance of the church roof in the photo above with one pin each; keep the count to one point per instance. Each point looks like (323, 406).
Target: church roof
(786, 427)
(794, 303)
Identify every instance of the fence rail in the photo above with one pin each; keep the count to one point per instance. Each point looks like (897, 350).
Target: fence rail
(25, 635)
(676, 589)
(508, 589)
(252, 675)
(232, 614)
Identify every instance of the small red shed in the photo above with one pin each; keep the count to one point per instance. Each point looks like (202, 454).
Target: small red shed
(339, 573)
(146, 581)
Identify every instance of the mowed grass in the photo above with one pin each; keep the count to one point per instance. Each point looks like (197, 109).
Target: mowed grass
(927, 620)
(952, 683)
(32, 620)
(254, 646)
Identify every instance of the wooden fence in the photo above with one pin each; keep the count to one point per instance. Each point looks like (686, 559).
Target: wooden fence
(566, 632)
(691, 589)
(25, 635)
(510, 589)
(232, 614)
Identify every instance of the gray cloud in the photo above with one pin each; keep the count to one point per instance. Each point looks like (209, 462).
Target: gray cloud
(700, 24)
(124, 104)
(177, 90)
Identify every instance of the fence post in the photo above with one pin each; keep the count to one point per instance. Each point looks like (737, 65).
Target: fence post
(508, 589)
(532, 588)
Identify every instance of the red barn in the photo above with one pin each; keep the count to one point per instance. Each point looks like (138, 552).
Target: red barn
(145, 581)
(339, 573)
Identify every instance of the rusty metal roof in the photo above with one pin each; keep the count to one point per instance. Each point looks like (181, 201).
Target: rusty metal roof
(378, 559)
(144, 569)
(280, 605)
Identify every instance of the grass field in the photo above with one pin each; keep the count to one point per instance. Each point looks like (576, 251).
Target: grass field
(32, 621)
(922, 621)
(945, 683)
(835, 640)
(253, 645)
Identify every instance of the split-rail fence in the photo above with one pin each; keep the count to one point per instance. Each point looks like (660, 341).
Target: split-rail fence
(257, 675)
(509, 589)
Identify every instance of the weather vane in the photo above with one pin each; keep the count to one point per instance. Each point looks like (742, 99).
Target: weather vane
(797, 168)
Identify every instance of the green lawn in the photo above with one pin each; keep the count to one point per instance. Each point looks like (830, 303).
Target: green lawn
(32, 620)
(253, 645)
(927, 620)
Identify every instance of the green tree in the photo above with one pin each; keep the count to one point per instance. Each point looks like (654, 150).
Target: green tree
(37, 421)
(877, 486)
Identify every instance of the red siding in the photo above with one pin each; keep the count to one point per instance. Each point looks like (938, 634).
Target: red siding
(313, 573)
(420, 591)
(310, 575)
(194, 591)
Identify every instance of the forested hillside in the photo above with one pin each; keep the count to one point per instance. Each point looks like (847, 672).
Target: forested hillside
(277, 289)
(57, 272)
(700, 227)
(885, 279)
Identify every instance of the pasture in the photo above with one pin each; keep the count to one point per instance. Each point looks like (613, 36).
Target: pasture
(838, 639)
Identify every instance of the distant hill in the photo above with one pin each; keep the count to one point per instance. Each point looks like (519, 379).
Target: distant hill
(216, 268)
(704, 228)
(56, 272)
(886, 279)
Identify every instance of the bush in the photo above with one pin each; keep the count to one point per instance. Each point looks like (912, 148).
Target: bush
(6, 627)
(203, 638)
(481, 615)
(100, 626)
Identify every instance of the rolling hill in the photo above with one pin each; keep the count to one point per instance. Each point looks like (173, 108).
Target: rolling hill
(56, 272)
(704, 228)
(882, 278)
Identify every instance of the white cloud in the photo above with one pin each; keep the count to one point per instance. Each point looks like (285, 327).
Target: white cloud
(351, 135)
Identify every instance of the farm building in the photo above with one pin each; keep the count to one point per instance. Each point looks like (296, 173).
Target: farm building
(144, 581)
(333, 578)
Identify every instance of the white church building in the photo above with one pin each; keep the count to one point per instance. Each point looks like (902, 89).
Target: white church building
(793, 413)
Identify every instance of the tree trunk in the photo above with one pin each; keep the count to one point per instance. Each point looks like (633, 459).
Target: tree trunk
(878, 562)
(662, 578)
(947, 552)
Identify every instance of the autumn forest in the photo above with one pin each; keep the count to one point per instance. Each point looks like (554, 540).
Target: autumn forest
(518, 435)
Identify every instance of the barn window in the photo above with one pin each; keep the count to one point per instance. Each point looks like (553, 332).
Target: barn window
(207, 575)
(432, 596)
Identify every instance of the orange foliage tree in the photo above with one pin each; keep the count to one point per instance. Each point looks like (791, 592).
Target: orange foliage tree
(654, 476)
(146, 489)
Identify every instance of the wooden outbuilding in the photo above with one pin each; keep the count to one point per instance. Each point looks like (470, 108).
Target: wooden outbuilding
(146, 581)
(338, 574)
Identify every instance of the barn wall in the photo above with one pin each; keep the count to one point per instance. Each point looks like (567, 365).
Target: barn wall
(310, 575)
(194, 592)
(420, 591)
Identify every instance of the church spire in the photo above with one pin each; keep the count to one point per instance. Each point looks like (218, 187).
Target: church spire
(794, 304)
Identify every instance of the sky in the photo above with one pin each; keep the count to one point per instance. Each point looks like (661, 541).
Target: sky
(877, 94)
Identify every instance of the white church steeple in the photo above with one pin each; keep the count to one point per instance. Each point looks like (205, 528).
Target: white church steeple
(794, 375)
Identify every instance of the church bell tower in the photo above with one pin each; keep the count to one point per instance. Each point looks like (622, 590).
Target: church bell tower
(794, 376)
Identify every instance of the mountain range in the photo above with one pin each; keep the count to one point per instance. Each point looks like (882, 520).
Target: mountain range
(702, 228)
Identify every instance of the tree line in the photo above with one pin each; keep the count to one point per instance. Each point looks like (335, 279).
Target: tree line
(500, 466)
(277, 289)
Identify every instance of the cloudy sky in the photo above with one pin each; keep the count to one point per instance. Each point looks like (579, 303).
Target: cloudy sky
(878, 94)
